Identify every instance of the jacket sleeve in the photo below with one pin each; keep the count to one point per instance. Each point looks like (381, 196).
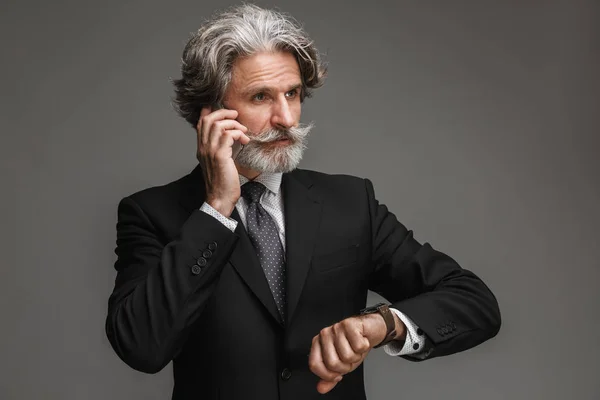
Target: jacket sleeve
(160, 290)
(451, 305)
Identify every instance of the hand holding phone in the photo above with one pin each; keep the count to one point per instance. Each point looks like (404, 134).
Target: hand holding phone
(237, 145)
(215, 131)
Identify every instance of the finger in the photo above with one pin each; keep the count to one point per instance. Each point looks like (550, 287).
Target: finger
(219, 128)
(315, 362)
(345, 351)
(220, 114)
(229, 136)
(207, 119)
(329, 353)
(240, 136)
(357, 363)
(225, 124)
(203, 113)
(227, 141)
(359, 343)
(244, 138)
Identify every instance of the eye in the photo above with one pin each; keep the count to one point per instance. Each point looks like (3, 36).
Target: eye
(258, 96)
(292, 93)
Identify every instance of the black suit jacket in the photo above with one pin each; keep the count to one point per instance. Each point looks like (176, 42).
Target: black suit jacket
(189, 290)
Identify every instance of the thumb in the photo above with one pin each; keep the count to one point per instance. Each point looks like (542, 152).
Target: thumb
(325, 386)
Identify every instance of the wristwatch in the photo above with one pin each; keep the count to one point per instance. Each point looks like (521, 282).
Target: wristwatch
(388, 317)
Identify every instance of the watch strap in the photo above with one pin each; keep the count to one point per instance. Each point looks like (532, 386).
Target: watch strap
(388, 316)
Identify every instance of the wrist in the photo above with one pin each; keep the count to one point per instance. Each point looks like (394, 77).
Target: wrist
(379, 333)
(224, 208)
(385, 332)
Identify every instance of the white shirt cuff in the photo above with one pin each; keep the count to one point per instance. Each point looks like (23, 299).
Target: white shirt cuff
(228, 222)
(414, 342)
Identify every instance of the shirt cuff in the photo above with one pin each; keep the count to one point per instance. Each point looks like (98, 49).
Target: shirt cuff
(228, 222)
(415, 339)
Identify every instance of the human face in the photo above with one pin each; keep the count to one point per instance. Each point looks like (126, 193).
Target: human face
(265, 90)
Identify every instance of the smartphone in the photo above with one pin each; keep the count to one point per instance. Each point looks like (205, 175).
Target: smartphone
(237, 146)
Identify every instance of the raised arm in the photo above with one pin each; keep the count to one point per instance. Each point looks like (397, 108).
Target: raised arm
(452, 306)
(160, 291)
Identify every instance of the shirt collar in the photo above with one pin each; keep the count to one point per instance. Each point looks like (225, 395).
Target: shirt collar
(272, 180)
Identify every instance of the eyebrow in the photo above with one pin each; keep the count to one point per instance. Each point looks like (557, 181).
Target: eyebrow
(267, 89)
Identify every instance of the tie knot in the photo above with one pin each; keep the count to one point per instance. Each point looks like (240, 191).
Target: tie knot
(251, 191)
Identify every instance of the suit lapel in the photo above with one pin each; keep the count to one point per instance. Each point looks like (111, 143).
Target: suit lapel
(243, 258)
(302, 210)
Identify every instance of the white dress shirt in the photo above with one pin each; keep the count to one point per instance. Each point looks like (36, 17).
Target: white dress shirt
(272, 202)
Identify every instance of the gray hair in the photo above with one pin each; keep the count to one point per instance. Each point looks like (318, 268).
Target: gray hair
(241, 31)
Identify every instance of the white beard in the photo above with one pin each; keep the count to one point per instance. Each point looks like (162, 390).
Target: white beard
(261, 155)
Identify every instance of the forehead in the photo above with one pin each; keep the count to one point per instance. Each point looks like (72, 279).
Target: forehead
(276, 70)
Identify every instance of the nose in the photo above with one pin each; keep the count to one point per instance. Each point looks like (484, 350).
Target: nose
(282, 117)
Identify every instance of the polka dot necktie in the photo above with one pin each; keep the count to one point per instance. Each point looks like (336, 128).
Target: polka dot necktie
(265, 238)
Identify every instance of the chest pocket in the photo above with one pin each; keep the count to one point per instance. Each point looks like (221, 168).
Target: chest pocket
(336, 259)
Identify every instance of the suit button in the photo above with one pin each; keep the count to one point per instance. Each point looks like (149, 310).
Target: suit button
(201, 261)
(453, 325)
(212, 246)
(441, 332)
(286, 374)
(419, 332)
(196, 269)
(207, 254)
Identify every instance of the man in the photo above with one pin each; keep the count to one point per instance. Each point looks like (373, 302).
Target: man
(249, 273)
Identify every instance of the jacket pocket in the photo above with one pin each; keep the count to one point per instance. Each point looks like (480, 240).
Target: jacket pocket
(336, 259)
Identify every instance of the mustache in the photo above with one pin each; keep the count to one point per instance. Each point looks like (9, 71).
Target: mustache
(294, 134)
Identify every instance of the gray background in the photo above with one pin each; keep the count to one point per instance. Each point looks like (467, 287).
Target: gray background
(485, 113)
